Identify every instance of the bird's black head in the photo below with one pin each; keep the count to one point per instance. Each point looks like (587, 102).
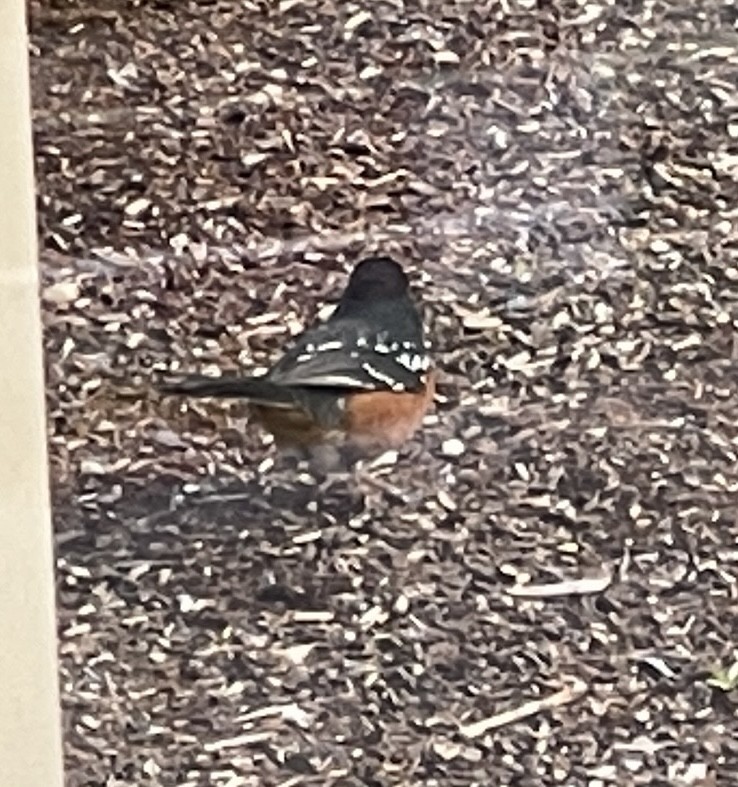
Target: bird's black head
(376, 278)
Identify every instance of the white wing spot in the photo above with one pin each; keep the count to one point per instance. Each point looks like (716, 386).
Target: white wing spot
(337, 381)
(413, 362)
(389, 381)
(328, 346)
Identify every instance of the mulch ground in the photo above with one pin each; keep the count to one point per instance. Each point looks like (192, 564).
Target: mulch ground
(536, 591)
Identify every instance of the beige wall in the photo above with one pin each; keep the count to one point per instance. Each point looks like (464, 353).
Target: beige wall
(30, 751)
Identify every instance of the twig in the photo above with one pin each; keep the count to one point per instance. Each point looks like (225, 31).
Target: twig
(569, 587)
(238, 741)
(569, 693)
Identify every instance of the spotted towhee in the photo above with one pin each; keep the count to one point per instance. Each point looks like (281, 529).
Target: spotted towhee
(361, 378)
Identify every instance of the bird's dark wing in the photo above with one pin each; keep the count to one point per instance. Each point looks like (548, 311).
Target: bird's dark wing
(350, 355)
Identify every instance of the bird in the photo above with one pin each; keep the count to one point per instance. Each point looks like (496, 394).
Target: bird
(363, 378)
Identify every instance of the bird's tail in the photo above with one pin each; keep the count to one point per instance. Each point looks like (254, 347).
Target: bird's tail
(254, 389)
